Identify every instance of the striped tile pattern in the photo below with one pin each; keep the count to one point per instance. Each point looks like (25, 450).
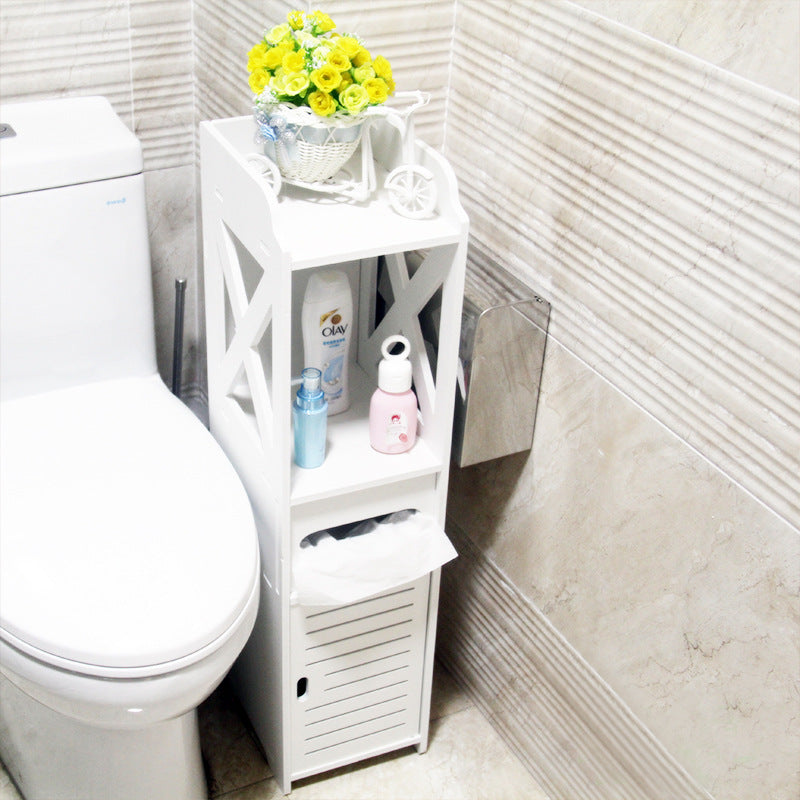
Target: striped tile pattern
(653, 199)
(577, 737)
(163, 80)
(224, 32)
(138, 53)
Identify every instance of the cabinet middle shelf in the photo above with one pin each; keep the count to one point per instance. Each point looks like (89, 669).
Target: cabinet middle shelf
(350, 462)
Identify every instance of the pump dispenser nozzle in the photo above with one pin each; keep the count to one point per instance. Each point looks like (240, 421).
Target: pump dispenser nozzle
(310, 395)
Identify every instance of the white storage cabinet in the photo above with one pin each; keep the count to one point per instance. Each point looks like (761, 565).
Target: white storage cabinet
(326, 686)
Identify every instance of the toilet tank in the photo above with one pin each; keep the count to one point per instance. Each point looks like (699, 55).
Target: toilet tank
(76, 300)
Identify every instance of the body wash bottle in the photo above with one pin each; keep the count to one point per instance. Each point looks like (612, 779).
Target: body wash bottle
(393, 408)
(310, 419)
(327, 322)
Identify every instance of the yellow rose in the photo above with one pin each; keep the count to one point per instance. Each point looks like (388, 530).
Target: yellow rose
(277, 82)
(321, 103)
(255, 56)
(361, 57)
(306, 40)
(363, 73)
(295, 19)
(382, 67)
(347, 79)
(277, 34)
(338, 60)
(295, 83)
(273, 57)
(377, 90)
(258, 80)
(322, 22)
(294, 61)
(326, 78)
(349, 45)
(354, 98)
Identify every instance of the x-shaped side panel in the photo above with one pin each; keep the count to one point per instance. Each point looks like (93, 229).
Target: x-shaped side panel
(250, 321)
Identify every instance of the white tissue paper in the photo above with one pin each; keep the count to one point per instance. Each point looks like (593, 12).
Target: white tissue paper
(344, 565)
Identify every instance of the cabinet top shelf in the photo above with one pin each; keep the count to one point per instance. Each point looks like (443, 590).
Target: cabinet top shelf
(315, 229)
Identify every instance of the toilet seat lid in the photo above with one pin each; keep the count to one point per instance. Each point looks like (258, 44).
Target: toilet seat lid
(126, 537)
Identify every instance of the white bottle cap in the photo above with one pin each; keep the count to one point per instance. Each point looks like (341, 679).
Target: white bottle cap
(394, 372)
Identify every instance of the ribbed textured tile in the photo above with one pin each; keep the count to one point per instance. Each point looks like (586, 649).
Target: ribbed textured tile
(576, 736)
(224, 32)
(54, 49)
(653, 199)
(163, 81)
(137, 53)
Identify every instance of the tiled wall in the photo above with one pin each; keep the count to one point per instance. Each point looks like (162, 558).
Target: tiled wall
(138, 53)
(652, 197)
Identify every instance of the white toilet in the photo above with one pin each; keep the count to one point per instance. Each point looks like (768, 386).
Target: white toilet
(129, 565)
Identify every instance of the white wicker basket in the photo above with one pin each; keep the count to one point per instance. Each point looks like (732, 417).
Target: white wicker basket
(307, 148)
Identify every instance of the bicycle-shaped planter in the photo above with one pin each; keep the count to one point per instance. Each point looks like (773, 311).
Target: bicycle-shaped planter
(410, 187)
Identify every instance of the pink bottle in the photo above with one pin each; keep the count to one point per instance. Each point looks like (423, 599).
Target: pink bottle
(393, 408)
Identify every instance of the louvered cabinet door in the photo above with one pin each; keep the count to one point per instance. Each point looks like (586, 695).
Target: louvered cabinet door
(357, 677)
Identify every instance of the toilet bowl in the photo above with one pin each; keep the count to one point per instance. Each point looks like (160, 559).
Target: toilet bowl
(129, 564)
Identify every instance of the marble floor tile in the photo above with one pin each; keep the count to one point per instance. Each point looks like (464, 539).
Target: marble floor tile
(465, 760)
(232, 756)
(7, 789)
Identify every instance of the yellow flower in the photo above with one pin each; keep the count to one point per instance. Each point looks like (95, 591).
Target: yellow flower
(382, 67)
(255, 56)
(258, 80)
(321, 103)
(277, 34)
(306, 39)
(354, 98)
(377, 90)
(361, 57)
(277, 82)
(338, 60)
(295, 83)
(347, 79)
(349, 45)
(273, 57)
(326, 78)
(295, 19)
(363, 73)
(294, 61)
(322, 22)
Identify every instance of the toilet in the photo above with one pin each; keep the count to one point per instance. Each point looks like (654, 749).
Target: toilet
(129, 565)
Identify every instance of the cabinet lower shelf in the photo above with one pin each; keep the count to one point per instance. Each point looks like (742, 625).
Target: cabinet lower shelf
(350, 462)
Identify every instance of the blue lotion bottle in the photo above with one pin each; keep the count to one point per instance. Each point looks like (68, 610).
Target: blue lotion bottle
(310, 420)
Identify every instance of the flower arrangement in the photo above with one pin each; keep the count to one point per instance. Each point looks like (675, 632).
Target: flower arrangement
(305, 62)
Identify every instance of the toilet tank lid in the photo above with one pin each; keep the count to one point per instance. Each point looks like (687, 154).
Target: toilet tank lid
(51, 143)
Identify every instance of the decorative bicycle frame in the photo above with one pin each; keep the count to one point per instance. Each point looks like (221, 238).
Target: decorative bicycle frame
(410, 187)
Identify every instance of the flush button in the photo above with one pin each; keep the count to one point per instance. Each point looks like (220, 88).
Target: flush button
(6, 131)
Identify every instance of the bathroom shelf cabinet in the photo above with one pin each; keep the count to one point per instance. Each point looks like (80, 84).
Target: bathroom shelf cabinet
(326, 686)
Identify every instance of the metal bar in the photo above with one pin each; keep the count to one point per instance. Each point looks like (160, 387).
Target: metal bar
(177, 341)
